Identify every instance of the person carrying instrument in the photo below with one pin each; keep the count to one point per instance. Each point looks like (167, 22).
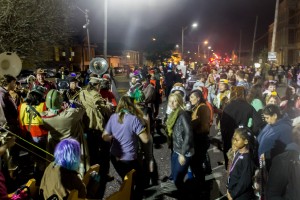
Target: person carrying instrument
(72, 94)
(61, 123)
(97, 114)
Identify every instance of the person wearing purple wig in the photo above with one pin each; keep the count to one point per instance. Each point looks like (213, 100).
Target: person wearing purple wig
(62, 174)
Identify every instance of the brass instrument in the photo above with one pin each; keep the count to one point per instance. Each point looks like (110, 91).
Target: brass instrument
(98, 66)
(10, 63)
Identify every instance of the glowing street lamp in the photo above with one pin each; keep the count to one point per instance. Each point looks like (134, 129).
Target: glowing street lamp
(194, 25)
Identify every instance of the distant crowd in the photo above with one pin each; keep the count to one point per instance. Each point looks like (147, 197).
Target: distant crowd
(65, 130)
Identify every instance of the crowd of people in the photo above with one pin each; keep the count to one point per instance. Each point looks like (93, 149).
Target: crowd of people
(66, 131)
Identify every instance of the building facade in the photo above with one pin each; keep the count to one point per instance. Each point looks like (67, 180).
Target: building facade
(287, 43)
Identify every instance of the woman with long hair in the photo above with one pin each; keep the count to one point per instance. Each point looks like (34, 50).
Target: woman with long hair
(62, 175)
(201, 127)
(275, 135)
(181, 135)
(124, 129)
(255, 98)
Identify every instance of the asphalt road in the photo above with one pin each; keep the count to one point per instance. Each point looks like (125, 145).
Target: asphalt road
(214, 189)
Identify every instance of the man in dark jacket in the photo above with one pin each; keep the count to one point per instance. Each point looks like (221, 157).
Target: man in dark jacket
(284, 176)
(7, 83)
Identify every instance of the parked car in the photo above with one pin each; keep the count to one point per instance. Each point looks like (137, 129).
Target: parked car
(22, 77)
(50, 73)
(119, 70)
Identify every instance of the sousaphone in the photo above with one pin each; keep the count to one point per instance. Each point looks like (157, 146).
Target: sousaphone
(10, 63)
(98, 66)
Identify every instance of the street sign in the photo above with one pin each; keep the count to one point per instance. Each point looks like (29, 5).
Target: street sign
(272, 56)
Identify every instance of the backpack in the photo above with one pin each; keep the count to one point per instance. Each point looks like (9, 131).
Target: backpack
(205, 95)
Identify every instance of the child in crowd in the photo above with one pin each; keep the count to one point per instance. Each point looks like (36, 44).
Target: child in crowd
(241, 171)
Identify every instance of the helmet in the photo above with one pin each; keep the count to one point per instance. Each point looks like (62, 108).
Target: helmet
(54, 100)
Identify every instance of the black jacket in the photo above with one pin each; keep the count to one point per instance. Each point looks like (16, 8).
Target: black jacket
(237, 112)
(183, 135)
(284, 176)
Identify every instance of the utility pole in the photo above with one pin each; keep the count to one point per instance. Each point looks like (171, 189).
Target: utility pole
(240, 46)
(254, 36)
(275, 27)
(88, 32)
(105, 31)
(86, 26)
(182, 41)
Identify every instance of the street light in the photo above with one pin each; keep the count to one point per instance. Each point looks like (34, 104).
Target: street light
(204, 53)
(194, 25)
(86, 26)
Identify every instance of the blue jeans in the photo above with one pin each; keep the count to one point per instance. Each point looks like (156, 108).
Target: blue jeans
(179, 171)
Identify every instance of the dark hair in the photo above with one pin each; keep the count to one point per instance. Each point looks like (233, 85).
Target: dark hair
(258, 80)
(254, 93)
(288, 92)
(237, 93)
(34, 98)
(246, 134)
(198, 94)
(6, 79)
(241, 74)
(272, 109)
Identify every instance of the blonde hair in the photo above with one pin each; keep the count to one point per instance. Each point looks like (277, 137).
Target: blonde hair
(177, 98)
(269, 97)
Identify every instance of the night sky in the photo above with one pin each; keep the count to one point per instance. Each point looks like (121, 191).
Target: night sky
(135, 22)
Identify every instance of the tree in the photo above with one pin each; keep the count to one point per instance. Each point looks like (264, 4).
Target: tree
(158, 52)
(32, 27)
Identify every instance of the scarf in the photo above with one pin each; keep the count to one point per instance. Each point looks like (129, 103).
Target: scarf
(171, 120)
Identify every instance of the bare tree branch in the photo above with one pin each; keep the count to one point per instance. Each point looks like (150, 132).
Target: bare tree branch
(28, 27)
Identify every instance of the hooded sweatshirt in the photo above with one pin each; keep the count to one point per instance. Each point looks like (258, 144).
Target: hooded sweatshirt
(274, 137)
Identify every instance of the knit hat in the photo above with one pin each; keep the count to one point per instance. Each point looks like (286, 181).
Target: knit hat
(39, 90)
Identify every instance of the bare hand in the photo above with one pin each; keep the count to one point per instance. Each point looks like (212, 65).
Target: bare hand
(262, 157)
(229, 196)
(151, 166)
(181, 159)
(10, 142)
